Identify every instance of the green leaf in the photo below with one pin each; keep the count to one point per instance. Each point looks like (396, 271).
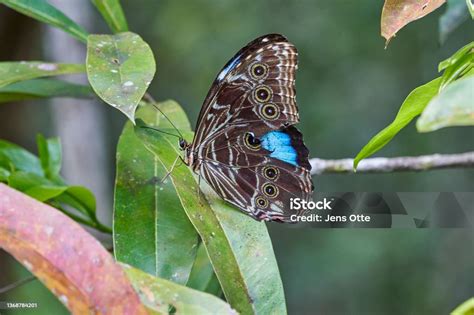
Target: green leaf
(44, 190)
(35, 186)
(239, 247)
(202, 276)
(24, 171)
(413, 105)
(458, 65)
(11, 72)
(32, 89)
(112, 12)
(29, 173)
(80, 198)
(50, 156)
(44, 193)
(468, 49)
(24, 181)
(151, 230)
(14, 157)
(466, 308)
(470, 6)
(451, 107)
(456, 71)
(46, 13)
(160, 295)
(120, 68)
(456, 14)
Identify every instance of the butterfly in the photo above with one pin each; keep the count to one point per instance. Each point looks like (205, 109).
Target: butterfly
(245, 145)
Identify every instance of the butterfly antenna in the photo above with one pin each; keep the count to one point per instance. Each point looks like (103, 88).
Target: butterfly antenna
(168, 133)
(150, 99)
(169, 120)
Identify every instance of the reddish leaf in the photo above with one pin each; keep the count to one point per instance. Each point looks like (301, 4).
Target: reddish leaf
(68, 260)
(398, 13)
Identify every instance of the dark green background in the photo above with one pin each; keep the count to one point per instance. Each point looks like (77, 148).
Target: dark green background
(348, 89)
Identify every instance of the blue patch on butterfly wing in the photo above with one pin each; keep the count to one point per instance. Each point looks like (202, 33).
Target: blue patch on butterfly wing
(228, 67)
(279, 144)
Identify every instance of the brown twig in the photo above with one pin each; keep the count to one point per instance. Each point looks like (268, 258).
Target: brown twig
(396, 164)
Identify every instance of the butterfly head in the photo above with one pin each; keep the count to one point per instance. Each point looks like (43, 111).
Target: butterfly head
(183, 145)
(188, 154)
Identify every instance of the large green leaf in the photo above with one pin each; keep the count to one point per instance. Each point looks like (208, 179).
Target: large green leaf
(456, 14)
(453, 106)
(160, 295)
(413, 105)
(112, 12)
(120, 68)
(39, 88)
(11, 72)
(239, 247)
(151, 229)
(45, 12)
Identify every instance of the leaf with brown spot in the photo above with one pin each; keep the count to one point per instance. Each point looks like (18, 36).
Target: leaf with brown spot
(120, 68)
(67, 259)
(398, 13)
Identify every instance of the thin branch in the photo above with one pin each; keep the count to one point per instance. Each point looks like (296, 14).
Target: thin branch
(396, 164)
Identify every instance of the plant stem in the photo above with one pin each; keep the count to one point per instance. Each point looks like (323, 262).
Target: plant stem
(395, 164)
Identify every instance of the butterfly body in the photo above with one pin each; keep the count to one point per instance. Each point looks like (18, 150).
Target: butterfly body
(245, 145)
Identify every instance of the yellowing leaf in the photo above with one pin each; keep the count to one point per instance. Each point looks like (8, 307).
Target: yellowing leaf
(67, 259)
(398, 13)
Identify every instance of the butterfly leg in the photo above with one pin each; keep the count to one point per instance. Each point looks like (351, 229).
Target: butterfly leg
(199, 189)
(171, 170)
